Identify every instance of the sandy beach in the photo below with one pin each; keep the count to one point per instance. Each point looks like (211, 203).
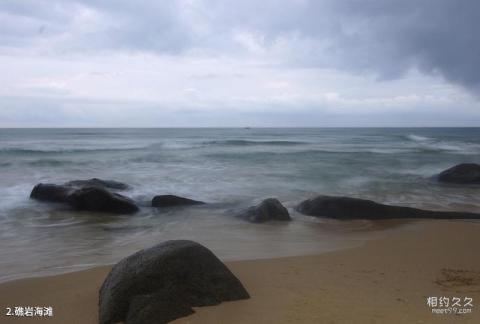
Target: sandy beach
(387, 280)
(239, 162)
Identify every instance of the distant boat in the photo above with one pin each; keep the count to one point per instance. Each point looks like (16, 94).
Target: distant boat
(247, 127)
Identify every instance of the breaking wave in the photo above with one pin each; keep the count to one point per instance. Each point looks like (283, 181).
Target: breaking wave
(253, 143)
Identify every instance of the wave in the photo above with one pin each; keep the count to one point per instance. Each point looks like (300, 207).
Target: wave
(345, 152)
(253, 143)
(418, 138)
(53, 163)
(427, 144)
(15, 150)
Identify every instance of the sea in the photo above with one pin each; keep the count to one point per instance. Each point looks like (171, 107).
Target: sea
(230, 169)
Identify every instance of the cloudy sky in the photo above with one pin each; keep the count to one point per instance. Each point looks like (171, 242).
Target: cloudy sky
(149, 63)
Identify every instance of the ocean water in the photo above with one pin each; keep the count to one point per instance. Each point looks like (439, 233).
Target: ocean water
(228, 168)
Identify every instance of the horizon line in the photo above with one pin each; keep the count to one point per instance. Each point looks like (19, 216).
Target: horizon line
(232, 127)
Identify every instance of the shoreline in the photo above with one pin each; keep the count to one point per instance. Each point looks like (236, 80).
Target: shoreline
(304, 236)
(387, 279)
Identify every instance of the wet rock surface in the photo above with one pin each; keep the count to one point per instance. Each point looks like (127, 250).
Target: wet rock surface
(173, 201)
(354, 208)
(80, 196)
(268, 209)
(465, 173)
(95, 182)
(50, 192)
(101, 200)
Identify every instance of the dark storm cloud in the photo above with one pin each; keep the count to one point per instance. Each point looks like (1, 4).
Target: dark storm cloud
(387, 37)
(384, 37)
(436, 36)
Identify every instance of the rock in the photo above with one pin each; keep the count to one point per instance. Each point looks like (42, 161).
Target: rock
(465, 173)
(268, 209)
(354, 208)
(100, 200)
(50, 192)
(95, 182)
(164, 282)
(155, 308)
(94, 198)
(171, 201)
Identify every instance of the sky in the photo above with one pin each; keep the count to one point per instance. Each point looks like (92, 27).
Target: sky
(212, 63)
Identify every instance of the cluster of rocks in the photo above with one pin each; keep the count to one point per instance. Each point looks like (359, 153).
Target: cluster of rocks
(354, 208)
(92, 195)
(100, 196)
(165, 282)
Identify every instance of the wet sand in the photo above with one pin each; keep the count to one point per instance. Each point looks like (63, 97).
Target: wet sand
(386, 280)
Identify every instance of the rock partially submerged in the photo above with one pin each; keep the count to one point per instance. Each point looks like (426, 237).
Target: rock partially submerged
(101, 200)
(268, 209)
(92, 195)
(50, 192)
(172, 201)
(95, 182)
(164, 282)
(465, 173)
(354, 208)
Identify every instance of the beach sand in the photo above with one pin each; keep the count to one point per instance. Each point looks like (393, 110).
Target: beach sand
(386, 280)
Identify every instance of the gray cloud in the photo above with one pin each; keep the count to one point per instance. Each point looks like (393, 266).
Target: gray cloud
(386, 37)
(436, 36)
(383, 37)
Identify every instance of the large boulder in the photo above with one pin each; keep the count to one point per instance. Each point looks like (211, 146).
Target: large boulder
(354, 208)
(156, 308)
(50, 192)
(95, 182)
(465, 173)
(100, 200)
(173, 201)
(164, 282)
(268, 209)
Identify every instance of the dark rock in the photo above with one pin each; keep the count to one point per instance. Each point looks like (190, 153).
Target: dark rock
(95, 182)
(171, 201)
(354, 208)
(465, 173)
(100, 200)
(268, 209)
(145, 308)
(164, 282)
(50, 192)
